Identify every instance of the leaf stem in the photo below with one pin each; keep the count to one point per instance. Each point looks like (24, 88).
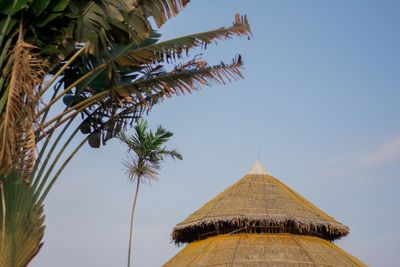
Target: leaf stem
(50, 153)
(69, 88)
(77, 108)
(50, 185)
(56, 159)
(61, 70)
(3, 223)
(4, 29)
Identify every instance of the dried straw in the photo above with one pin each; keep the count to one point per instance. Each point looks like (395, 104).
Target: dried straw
(258, 203)
(245, 250)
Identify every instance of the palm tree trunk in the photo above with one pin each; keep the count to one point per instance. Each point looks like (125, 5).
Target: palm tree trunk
(132, 216)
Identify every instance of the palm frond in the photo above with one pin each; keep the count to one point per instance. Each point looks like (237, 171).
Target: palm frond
(133, 57)
(100, 89)
(105, 122)
(175, 48)
(179, 82)
(110, 22)
(17, 146)
(164, 153)
(24, 222)
(148, 151)
(163, 10)
(109, 116)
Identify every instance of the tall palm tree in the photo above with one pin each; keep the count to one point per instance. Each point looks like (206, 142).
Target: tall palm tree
(148, 152)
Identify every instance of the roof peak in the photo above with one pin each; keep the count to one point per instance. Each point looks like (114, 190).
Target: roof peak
(258, 203)
(257, 168)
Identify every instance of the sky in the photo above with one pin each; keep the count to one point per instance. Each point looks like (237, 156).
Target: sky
(320, 98)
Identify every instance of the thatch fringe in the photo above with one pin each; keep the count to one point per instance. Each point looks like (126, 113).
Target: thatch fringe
(188, 232)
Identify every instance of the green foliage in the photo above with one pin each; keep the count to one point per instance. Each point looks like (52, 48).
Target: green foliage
(53, 31)
(23, 224)
(103, 60)
(149, 151)
(138, 76)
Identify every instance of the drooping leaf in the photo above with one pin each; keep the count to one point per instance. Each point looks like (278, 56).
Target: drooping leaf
(121, 21)
(185, 81)
(95, 139)
(17, 135)
(85, 127)
(174, 48)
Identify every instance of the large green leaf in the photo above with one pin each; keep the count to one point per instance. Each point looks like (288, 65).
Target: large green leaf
(24, 224)
(111, 22)
(17, 6)
(38, 6)
(55, 9)
(5, 6)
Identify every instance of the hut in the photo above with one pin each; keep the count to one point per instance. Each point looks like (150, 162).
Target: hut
(259, 221)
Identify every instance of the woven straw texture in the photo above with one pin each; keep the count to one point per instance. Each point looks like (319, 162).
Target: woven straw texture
(263, 200)
(255, 250)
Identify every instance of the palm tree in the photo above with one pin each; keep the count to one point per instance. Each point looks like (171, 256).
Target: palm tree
(89, 67)
(149, 151)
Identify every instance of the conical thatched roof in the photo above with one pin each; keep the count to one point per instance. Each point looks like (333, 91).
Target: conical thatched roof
(245, 250)
(258, 203)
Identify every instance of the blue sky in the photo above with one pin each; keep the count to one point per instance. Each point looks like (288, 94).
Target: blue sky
(320, 97)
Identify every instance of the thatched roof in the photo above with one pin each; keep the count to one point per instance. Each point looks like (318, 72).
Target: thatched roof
(258, 203)
(244, 250)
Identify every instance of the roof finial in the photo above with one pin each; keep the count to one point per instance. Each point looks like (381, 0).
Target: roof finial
(257, 168)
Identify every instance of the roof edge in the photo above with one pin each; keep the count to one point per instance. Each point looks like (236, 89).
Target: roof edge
(311, 227)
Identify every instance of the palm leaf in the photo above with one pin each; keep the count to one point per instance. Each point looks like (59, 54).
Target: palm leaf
(179, 82)
(148, 151)
(17, 147)
(24, 224)
(109, 117)
(143, 166)
(128, 78)
(110, 22)
(162, 10)
(175, 48)
(133, 57)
